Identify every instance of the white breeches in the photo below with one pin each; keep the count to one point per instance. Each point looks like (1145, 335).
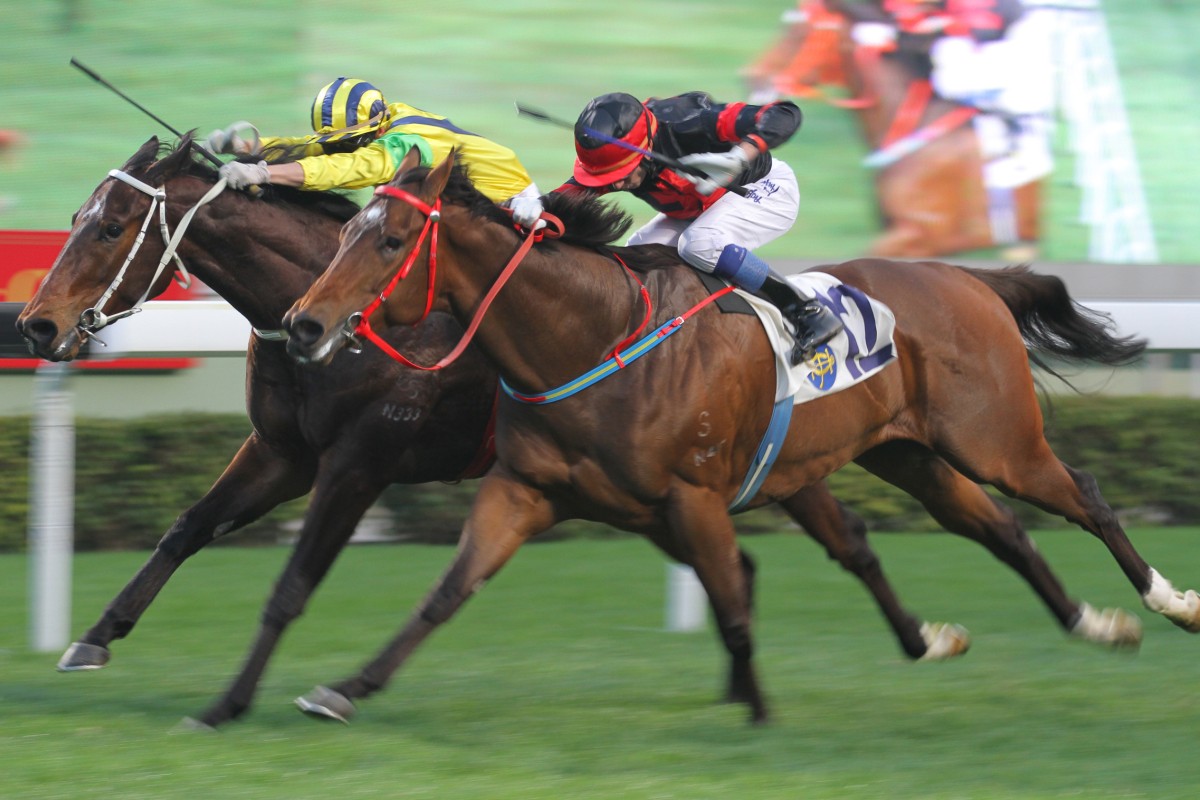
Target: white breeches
(767, 212)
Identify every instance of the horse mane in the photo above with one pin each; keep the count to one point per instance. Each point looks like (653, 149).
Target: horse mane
(587, 220)
(180, 158)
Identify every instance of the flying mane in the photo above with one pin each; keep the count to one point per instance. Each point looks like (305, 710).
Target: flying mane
(588, 221)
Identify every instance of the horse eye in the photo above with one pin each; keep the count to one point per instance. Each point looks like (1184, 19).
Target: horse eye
(392, 243)
(112, 231)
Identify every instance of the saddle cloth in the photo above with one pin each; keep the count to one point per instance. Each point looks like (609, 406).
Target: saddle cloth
(862, 349)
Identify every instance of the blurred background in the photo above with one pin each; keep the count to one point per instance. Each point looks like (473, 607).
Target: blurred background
(557, 682)
(206, 64)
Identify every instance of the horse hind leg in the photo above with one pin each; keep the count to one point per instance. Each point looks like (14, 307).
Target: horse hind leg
(1158, 594)
(1034, 474)
(843, 534)
(962, 507)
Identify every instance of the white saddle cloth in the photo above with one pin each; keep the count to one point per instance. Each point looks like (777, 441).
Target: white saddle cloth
(862, 349)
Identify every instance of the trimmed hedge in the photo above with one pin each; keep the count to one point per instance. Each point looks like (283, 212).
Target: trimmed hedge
(134, 477)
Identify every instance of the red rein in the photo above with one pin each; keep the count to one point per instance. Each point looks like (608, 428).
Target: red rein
(433, 215)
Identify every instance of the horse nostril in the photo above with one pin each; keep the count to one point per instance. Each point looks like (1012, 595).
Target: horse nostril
(306, 331)
(39, 332)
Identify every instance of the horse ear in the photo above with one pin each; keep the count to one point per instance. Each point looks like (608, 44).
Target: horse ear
(436, 181)
(145, 155)
(411, 160)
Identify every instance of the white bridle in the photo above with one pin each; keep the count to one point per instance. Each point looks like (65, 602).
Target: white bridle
(94, 318)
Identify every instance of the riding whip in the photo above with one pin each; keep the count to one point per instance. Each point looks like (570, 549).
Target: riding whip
(91, 74)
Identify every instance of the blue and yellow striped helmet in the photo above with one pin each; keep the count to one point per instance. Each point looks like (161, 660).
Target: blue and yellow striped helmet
(347, 107)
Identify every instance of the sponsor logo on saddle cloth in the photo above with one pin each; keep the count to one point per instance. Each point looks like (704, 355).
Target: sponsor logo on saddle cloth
(862, 349)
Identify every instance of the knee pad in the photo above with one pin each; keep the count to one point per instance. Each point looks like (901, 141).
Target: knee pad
(741, 268)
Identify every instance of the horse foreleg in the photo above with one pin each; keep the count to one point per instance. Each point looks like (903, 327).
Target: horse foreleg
(699, 519)
(843, 534)
(504, 515)
(256, 481)
(340, 498)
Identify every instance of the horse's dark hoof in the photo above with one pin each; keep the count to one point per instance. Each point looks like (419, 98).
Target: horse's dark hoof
(324, 703)
(81, 656)
(193, 725)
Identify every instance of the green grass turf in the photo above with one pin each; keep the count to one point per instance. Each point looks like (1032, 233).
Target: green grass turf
(556, 681)
(205, 64)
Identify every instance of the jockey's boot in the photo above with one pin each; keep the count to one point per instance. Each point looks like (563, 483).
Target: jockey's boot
(812, 323)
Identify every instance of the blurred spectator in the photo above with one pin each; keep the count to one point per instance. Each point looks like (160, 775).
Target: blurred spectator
(995, 56)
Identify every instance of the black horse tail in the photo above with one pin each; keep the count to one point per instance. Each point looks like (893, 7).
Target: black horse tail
(1054, 324)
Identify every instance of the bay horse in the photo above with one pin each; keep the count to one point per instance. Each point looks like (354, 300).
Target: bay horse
(661, 447)
(932, 201)
(343, 433)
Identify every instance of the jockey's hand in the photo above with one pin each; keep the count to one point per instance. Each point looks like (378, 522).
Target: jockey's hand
(240, 175)
(704, 186)
(526, 210)
(240, 139)
(720, 167)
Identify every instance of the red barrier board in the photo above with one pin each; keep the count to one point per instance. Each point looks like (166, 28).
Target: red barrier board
(25, 258)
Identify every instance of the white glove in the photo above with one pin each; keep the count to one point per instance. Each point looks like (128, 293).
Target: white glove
(704, 186)
(720, 168)
(240, 175)
(526, 210)
(240, 138)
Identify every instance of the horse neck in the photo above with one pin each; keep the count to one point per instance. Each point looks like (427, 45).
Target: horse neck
(258, 255)
(562, 311)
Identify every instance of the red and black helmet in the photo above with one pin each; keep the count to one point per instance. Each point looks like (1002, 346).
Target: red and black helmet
(617, 116)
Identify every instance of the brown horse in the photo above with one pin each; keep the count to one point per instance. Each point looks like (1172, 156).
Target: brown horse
(344, 433)
(932, 201)
(661, 447)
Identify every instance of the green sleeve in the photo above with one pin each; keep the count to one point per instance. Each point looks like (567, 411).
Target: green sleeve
(398, 144)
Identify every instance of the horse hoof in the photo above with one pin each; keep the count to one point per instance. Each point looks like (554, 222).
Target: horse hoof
(1113, 627)
(81, 656)
(193, 725)
(944, 640)
(324, 703)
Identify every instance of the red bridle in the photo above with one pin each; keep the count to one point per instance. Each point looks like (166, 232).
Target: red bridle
(433, 215)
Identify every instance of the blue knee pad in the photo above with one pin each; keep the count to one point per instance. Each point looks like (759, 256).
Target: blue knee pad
(741, 268)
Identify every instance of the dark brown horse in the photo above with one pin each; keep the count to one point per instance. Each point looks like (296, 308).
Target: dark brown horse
(344, 433)
(957, 407)
(932, 201)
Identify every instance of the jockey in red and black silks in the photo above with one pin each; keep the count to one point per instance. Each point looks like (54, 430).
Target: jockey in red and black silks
(623, 144)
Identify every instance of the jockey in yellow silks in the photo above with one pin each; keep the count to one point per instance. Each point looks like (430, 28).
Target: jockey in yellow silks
(360, 140)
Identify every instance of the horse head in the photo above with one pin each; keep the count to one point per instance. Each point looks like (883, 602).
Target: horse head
(165, 208)
(383, 242)
(108, 265)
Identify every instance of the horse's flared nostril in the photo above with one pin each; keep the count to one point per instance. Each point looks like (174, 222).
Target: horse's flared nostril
(305, 331)
(39, 333)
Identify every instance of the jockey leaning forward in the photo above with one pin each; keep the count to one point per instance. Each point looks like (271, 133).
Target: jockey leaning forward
(360, 139)
(714, 230)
